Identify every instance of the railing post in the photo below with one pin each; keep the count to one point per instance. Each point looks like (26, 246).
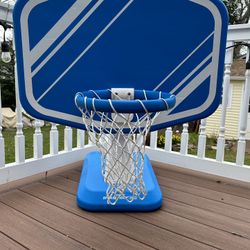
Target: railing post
(80, 138)
(19, 138)
(221, 139)
(54, 139)
(240, 157)
(168, 139)
(2, 149)
(153, 139)
(68, 139)
(202, 139)
(184, 139)
(38, 140)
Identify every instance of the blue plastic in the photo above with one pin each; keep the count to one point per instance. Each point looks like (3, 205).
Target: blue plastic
(153, 101)
(92, 189)
(172, 46)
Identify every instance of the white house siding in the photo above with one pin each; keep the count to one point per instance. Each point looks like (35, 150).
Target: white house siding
(233, 112)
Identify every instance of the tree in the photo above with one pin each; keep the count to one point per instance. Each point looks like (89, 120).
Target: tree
(7, 81)
(239, 11)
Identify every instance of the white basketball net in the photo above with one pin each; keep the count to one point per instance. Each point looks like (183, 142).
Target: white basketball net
(122, 151)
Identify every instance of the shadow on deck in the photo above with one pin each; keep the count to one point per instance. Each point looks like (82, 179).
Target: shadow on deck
(197, 213)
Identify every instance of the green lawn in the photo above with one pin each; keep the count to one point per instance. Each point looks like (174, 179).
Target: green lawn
(9, 137)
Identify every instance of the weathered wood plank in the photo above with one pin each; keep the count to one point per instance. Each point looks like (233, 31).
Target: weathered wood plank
(32, 234)
(197, 213)
(208, 218)
(73, 226)
(7, 243)
(207, 204)
(60, 183)
(200, 232)
(73, 175)
(204, 192)
(217, 184)
(193, 230)
(119, 222)
(79, 168)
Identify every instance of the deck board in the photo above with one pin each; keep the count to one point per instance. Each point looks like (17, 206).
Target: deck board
(30, 233)
(73, 226)
(224, 223)
(197, 213)
(119, 222)
(7, 243)
(215, 184)
(216, 207)
(205, 192)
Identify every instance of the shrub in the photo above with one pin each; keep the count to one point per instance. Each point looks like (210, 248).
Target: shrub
(176, 139)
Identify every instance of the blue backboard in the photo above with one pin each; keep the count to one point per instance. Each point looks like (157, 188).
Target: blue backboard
(64, 47)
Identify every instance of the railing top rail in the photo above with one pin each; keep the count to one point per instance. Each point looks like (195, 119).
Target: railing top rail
(239, 32)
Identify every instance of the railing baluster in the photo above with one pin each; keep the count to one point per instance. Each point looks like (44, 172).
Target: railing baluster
(2, 149)
(19, 138)
(153, 139)
(140, 139)
(168, 139)
(91, 138)
(68, 139)
(184, 139)
(241, 148)
(38, 140)
(80, 138)
(202, 139)
(227, 78)
(54, 136)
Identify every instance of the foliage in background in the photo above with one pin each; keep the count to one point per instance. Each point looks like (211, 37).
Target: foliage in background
(239, 11)
(161, 141)
(176, 139)
(7, 82)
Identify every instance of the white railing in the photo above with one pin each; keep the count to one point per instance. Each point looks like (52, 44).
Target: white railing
(182, 158)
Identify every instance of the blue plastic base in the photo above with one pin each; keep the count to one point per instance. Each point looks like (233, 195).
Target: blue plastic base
(92, 189)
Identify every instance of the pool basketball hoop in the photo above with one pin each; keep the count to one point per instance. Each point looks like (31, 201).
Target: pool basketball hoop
(118, 122)
(117, 49)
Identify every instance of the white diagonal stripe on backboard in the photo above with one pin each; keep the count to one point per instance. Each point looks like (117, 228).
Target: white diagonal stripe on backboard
(66, 38)
(194, 84)
(86, 49)
(63, 23)
(190, 74)
(173, 71)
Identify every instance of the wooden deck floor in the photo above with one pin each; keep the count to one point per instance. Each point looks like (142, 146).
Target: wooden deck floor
(197, 213)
